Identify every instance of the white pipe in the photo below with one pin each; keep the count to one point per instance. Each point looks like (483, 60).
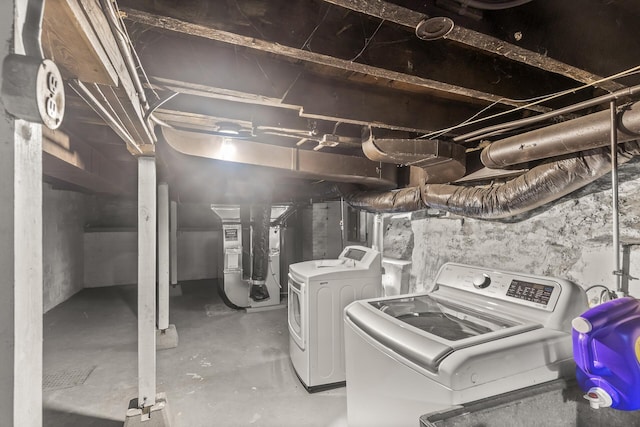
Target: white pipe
(163, 256)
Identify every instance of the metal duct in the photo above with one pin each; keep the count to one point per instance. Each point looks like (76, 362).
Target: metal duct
(443, 161)
(261, 222)
(541, 185)
(583, 133)
(290, 161)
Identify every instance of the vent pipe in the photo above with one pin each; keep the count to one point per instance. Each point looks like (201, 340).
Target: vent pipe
(583, 133)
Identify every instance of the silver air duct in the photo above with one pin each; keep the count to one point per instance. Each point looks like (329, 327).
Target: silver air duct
(583, 133)
(441, 161)
(538, 186)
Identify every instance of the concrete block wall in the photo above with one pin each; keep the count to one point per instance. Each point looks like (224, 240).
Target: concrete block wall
(570, 239)
(62, 241)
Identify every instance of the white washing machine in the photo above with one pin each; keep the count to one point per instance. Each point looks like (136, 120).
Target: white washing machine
(479, 333)
(318, 293)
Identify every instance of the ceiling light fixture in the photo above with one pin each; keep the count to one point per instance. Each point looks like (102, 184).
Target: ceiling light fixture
(227, 149)
(228, 128)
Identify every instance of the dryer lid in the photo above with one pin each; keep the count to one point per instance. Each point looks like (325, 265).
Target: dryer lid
(425, 329)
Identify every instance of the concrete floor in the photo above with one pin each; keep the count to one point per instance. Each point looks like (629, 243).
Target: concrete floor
(231, 368)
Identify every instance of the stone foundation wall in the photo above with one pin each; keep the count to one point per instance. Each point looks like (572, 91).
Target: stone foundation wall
(571, 238)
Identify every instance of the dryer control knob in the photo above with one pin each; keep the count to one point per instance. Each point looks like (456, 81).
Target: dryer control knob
(482, 282)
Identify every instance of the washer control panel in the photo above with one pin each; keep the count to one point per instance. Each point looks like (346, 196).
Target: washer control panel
(533, 291)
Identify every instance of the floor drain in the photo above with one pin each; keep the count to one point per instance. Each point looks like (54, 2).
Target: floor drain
(66, 378)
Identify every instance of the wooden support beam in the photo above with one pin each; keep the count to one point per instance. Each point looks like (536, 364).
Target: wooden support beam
(69, 159)
(248, 75)
(379, 107)
(110, 113)
(78, 36)
(21, 271)
(196, 89)
(146, 282)
(408, 18)
(439, 89)
(312, 97)
(70, 40)
(208, 111)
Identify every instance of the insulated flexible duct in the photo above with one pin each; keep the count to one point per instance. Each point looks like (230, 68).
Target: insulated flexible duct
(261, 223)
(540, 185)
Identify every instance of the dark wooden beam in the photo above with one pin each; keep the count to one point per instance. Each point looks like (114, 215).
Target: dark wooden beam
(390, 78)
(357, 104)
(410, 19)
(319, 104)
(197, 89)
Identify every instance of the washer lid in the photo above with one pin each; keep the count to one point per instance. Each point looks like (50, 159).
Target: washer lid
(425, 329)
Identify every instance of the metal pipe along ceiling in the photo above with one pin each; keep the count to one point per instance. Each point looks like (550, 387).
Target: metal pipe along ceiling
(587, 136)
(583, 133)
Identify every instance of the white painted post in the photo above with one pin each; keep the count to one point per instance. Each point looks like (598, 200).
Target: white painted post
(163, 256)
(20, 249)
(173, 244)
(146, 281)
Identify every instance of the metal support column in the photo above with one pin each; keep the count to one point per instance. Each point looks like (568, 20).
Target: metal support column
(146, 282)
(163, 256)
(614, 197)
(20, 247)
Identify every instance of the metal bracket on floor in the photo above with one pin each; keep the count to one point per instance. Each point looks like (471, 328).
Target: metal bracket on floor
(157, 415)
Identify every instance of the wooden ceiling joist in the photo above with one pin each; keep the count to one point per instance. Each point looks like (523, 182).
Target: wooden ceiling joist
(71, 160)
(474, 39)
(439, 89)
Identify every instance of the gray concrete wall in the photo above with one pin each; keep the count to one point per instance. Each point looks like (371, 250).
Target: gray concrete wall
(63, 254)
(198, 254)
(571, 239)
(111, 245)
(111, 256)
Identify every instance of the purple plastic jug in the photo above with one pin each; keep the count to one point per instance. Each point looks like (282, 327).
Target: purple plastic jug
(606, 349)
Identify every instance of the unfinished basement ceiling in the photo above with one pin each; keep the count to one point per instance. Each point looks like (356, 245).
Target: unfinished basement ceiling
(274, 99)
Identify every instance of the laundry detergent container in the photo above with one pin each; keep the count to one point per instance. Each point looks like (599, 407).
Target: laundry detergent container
(606, 349)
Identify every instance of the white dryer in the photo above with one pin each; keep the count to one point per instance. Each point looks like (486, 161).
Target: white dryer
(318, 293)
(479, 333)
